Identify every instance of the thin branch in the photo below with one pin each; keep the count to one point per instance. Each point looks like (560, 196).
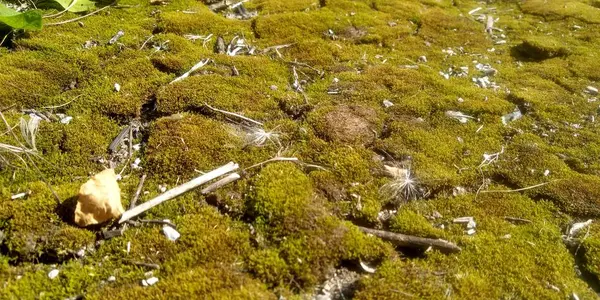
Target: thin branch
(412, 241)
(60, 13)
(6, 36)
(220, 183)
(146, 41)
(521, 189)
(138, 192)
(233, 114)
(176, 191)
(79, 18)
(61, 105)
(197, 66)
(293, 159)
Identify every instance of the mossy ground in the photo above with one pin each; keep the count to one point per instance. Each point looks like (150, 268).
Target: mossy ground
(283, 228)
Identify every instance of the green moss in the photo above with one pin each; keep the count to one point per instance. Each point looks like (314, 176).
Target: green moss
(283, 228)
(542, 48)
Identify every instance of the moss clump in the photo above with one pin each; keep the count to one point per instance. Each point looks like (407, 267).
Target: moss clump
(348, 124)
(195, 149)
(306, 242)
(540, 48)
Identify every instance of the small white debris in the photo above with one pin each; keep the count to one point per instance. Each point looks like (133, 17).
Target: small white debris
(387, 103)
(66, 120)
(460, 100)
(273, 87)
(591, 90)
(52, 274)
(578, 226)
(459, 190)
(20, 195)
(507, 236)
(117, 87)
(136, 147)
(170, 233)
(111, 279)
(128, 247)
(336, 80)
(471, 231)
(136, 164)
(436, 214)
(461, 117)
(547, 172)
(422, 59)
(574, 296)
(500, 42)
(469, 221)
(553, 287)
(116, 37)
(577, 27)
(367, 268)
(150, 281)
(513, 116)
(81, 252)
(474, 10)
(162, 188)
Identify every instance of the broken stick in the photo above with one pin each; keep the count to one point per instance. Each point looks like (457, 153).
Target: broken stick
(176, 191)
(412, 241)
(138, 192)
(222, 182)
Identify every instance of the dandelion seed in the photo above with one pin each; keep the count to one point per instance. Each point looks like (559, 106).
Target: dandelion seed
(402, 187)
(29, 129)
(258, 137)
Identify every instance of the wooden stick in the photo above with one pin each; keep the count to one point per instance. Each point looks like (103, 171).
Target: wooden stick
(176, 191)
(412, 241)
(222, 182)
(138, 192)
(78, 18)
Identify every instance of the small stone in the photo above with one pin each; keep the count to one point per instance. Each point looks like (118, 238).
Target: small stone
(387, 103)
(150, 281)
(507, 236)
(422, 59)
(99, 199)
(111, 279)
(162, 188)
(471, 231)
(170, 233)
(591, 90)
(52, 274)
(274, 88)
(117, 87)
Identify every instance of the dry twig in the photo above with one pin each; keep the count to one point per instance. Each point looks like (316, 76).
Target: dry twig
(176, 191)
(412, 241)
(138, 192)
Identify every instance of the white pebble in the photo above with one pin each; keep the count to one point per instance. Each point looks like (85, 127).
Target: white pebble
(150, 281)
(592, 90)
(117, 87)
(111, 279)
(52, 274)
(387, 103)
(170, 233)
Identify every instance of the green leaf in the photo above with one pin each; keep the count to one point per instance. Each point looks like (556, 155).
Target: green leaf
(31, 19)
(78, 6)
